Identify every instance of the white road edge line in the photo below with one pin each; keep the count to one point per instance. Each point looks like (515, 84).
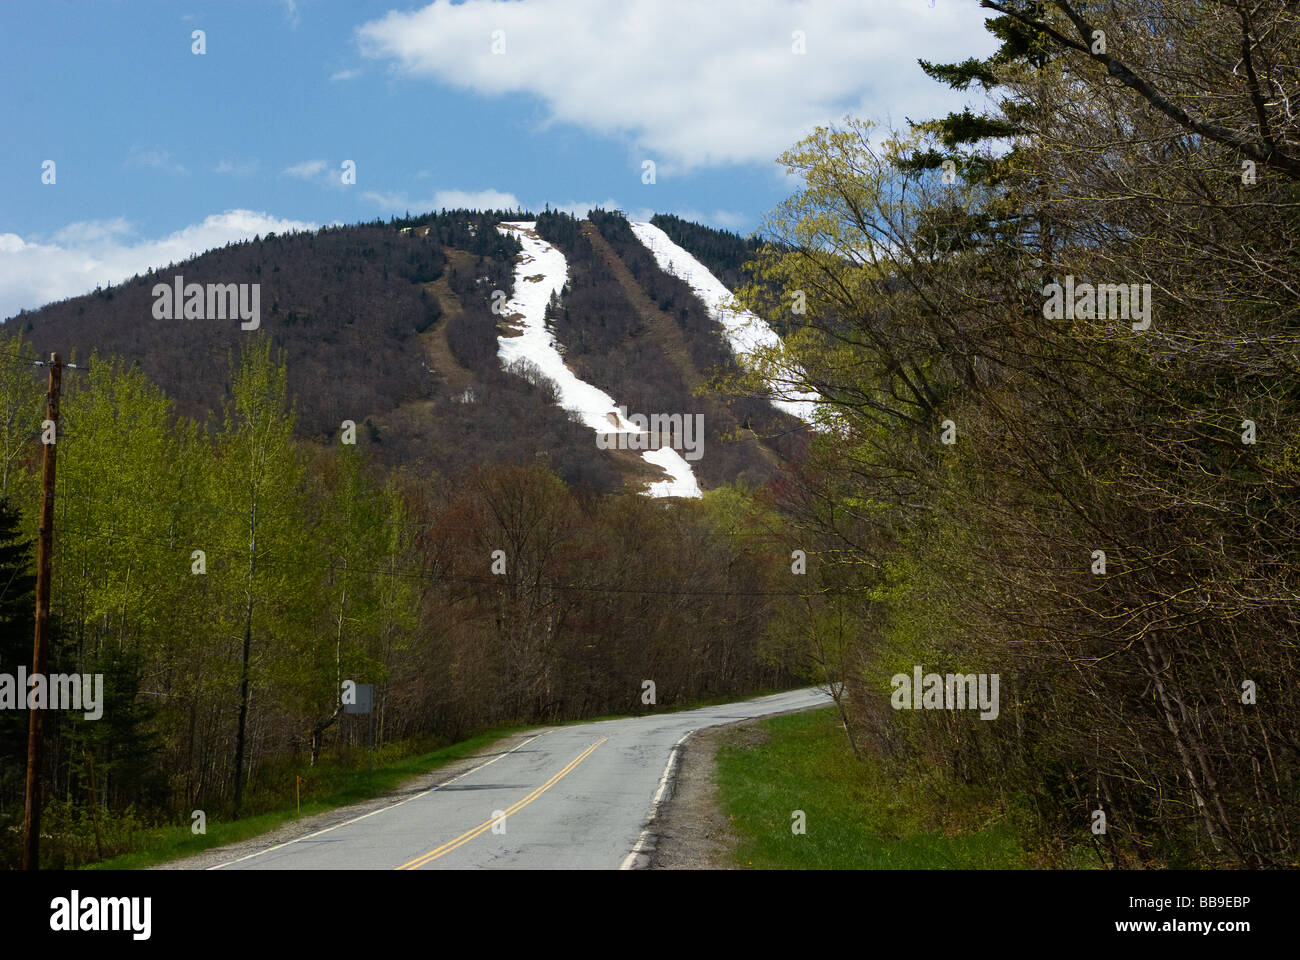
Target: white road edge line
(666, 779)
(281, 846)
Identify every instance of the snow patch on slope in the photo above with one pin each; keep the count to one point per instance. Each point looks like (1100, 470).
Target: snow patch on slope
(745, 331)
(540, 272)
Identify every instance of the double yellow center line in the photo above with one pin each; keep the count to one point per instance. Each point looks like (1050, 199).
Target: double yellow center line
(469, 835)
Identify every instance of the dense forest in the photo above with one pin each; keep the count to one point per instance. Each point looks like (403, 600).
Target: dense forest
(225, 582)
(1099, 505)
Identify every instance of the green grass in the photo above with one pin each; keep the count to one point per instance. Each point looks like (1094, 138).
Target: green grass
(858, 815)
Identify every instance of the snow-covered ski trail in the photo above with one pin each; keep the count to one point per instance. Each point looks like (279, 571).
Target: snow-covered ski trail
(540, 272)
(745, 331)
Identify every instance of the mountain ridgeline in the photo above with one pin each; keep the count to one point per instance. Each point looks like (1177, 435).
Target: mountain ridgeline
(391, 326)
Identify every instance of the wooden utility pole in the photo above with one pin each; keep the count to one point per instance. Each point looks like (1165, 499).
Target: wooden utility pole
(40, 646)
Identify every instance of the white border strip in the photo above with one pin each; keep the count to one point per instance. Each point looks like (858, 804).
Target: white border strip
(281, 846)
(666, 779)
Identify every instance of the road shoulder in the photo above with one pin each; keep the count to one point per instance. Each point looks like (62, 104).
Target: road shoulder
(690, 830)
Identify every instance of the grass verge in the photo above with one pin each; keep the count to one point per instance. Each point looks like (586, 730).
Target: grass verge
(329, 786)
(858, 815)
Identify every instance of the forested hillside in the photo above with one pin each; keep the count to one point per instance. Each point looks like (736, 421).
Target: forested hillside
(358, 313)
(229, 551)
(1097, 501)
(226, 582)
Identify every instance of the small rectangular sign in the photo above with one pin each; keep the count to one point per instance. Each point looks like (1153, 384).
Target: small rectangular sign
(365, 699)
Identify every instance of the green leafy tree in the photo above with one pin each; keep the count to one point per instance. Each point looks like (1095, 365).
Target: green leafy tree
(258, 491)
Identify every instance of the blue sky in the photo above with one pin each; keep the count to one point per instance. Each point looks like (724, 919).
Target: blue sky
(160, 152)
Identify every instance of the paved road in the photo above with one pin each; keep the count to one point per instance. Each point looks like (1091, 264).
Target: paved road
(575, 797)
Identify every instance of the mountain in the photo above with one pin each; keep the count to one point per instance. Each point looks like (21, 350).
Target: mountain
(431, 335)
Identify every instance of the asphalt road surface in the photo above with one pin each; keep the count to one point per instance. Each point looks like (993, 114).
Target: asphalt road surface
(574, 797)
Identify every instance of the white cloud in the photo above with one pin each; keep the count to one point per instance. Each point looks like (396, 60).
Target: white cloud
(474, 200)
(693, 84)
(398, 202)
(448, 199)
(79, 257)
(91, 233)
(319, 172)
(307, 170)
(237, 168)
(345, 75)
